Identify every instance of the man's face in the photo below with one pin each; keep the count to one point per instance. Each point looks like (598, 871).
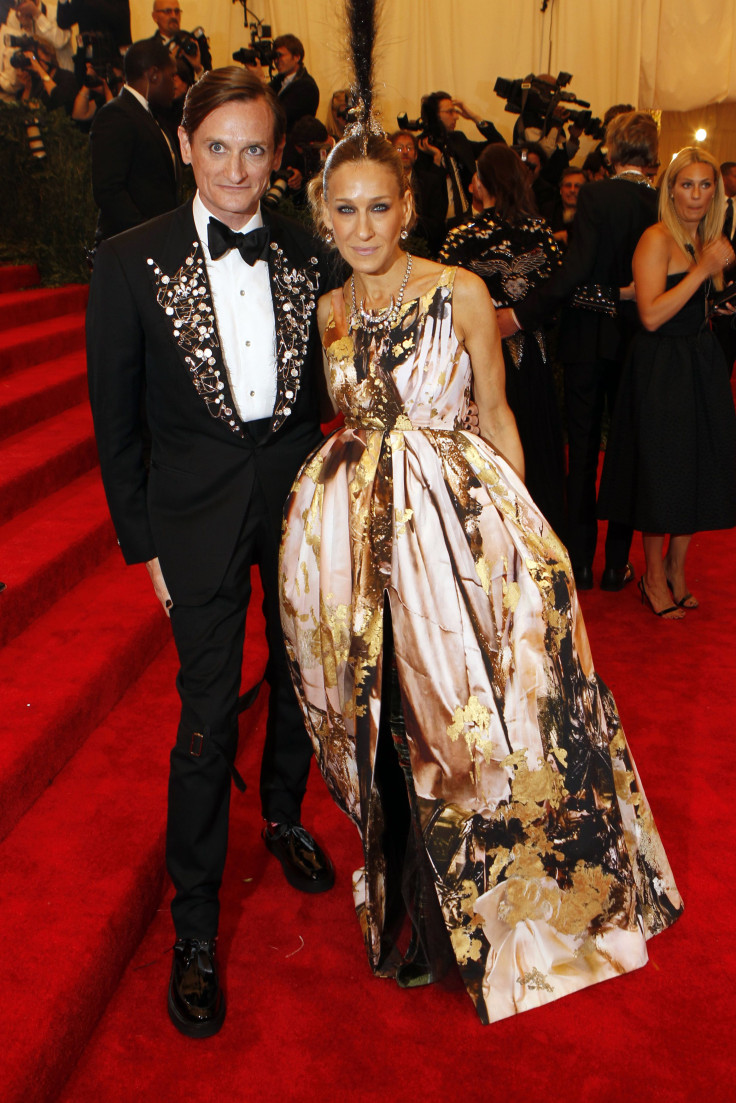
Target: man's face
(447, 113)
(232, 153)
(729, 182)
(407, 151)
(167, 17)
(286, 63)
(569, 188)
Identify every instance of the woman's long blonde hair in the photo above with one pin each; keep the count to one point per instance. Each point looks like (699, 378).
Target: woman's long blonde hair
(710, 226)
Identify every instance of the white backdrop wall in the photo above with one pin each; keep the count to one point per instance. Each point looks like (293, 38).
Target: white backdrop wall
(667, 54)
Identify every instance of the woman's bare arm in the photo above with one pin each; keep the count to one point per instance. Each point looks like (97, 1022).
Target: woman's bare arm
(655, 255)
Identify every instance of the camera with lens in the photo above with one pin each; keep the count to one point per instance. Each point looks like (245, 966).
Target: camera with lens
(95, 49)
(187, 43)
(261, 47)
(538, 102)
(424, 127)
(22, 44)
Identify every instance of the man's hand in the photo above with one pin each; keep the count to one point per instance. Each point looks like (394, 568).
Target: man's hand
(154, 570)
(29, 8)
(507, 324)
(464, 113)
(426, 147)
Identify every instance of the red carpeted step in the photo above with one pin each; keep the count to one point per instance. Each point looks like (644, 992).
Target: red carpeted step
(60, 678)
(39, 392)
(44, 458)
(15, 276)
(20, 308)
(50, 548)
(26, 345)
(82, 876)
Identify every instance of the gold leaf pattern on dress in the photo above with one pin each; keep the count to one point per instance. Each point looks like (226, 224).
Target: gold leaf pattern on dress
(537, 832)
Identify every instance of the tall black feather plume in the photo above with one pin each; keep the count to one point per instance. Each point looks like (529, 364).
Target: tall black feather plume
(362, 20)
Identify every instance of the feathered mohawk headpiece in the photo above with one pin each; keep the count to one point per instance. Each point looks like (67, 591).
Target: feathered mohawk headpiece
(362, 21)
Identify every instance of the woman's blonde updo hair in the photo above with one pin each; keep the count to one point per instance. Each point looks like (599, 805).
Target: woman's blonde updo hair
(710, 226)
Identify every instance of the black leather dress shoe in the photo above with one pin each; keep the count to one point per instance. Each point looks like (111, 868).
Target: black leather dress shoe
(615, 578)
(583, 578)
(196, 1001)
(305, 864)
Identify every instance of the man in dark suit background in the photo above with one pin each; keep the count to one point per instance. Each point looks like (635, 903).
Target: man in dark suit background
(723, 326)
(594, 288)
(296, 89)
(216, 327)
(134, 166)
(166, 14)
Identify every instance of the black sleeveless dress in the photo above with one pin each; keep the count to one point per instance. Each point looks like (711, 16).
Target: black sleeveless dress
(670, 463)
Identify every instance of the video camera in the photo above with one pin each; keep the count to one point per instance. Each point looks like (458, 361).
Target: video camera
(261, 43)
(22, 44)
(537, 101)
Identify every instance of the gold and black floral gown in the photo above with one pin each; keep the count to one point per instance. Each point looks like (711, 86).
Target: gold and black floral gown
(538, 838)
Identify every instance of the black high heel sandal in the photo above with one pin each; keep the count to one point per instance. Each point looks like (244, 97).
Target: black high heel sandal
(646, 600)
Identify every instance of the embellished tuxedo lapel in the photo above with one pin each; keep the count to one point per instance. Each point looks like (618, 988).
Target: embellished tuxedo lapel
(186, 299)
(294, 291)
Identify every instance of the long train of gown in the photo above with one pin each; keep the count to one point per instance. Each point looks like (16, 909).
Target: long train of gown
(542, 848)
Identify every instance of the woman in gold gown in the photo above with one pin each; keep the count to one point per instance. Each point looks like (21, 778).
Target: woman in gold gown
(438, 650)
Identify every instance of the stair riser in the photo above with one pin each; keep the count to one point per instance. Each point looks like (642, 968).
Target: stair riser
(15, 277)
(22, 413)
(21, 493)
(23, 603)
(23, 310)
(73, 720)
(28, 352)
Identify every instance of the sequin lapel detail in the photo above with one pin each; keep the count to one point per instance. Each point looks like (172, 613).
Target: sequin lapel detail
(294, 296)
(186, 299)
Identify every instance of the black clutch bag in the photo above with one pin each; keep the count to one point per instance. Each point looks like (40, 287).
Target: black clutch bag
(596, 297)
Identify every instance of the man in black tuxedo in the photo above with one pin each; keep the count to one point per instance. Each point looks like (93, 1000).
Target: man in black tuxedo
(428, 188)
(166, 14)
(215, 329)
(134, 166)
(594, 288)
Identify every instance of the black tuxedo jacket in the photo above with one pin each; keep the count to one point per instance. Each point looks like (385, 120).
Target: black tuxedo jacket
(152, 338)
(610, 218)
(134, 176)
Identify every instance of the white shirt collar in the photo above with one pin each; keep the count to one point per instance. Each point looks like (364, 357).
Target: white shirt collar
(202, 216)
(141, 99)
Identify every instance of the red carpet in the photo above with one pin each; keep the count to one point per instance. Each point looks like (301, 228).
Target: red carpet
(89, 704)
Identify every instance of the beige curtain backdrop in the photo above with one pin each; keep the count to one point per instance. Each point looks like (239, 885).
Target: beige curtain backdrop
(669, 55)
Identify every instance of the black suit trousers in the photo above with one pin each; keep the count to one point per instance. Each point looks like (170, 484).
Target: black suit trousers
(209, 639)
(589, 386)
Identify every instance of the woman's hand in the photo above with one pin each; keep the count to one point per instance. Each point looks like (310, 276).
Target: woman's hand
(716, 256)
(628, 293)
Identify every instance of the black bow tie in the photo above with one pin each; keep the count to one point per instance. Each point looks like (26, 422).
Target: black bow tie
(252, 246)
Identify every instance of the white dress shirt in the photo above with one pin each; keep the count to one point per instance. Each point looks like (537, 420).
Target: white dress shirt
(241, 296)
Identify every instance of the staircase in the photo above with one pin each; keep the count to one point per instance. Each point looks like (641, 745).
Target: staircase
(88, 704)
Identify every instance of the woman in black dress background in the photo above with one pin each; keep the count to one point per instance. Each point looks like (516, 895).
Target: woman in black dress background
(670, 465)
(513, 251)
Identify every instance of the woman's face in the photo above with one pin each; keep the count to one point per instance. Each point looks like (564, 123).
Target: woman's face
(693, 191)
(366, 212)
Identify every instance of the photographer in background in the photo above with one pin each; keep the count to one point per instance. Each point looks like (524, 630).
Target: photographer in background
(297, 91)
(40, 78)
(427, 182)
(560, 214)
(192, 46)
(26, 17)
(450, 149)
(305, 153)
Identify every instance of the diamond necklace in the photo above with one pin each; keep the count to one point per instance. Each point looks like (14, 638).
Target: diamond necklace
(386, 318)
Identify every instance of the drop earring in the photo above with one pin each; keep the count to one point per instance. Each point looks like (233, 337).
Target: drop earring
(329, 237)
(404, 234)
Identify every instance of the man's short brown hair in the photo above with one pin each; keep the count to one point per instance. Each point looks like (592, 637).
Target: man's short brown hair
(291, 43)
(220, 86)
